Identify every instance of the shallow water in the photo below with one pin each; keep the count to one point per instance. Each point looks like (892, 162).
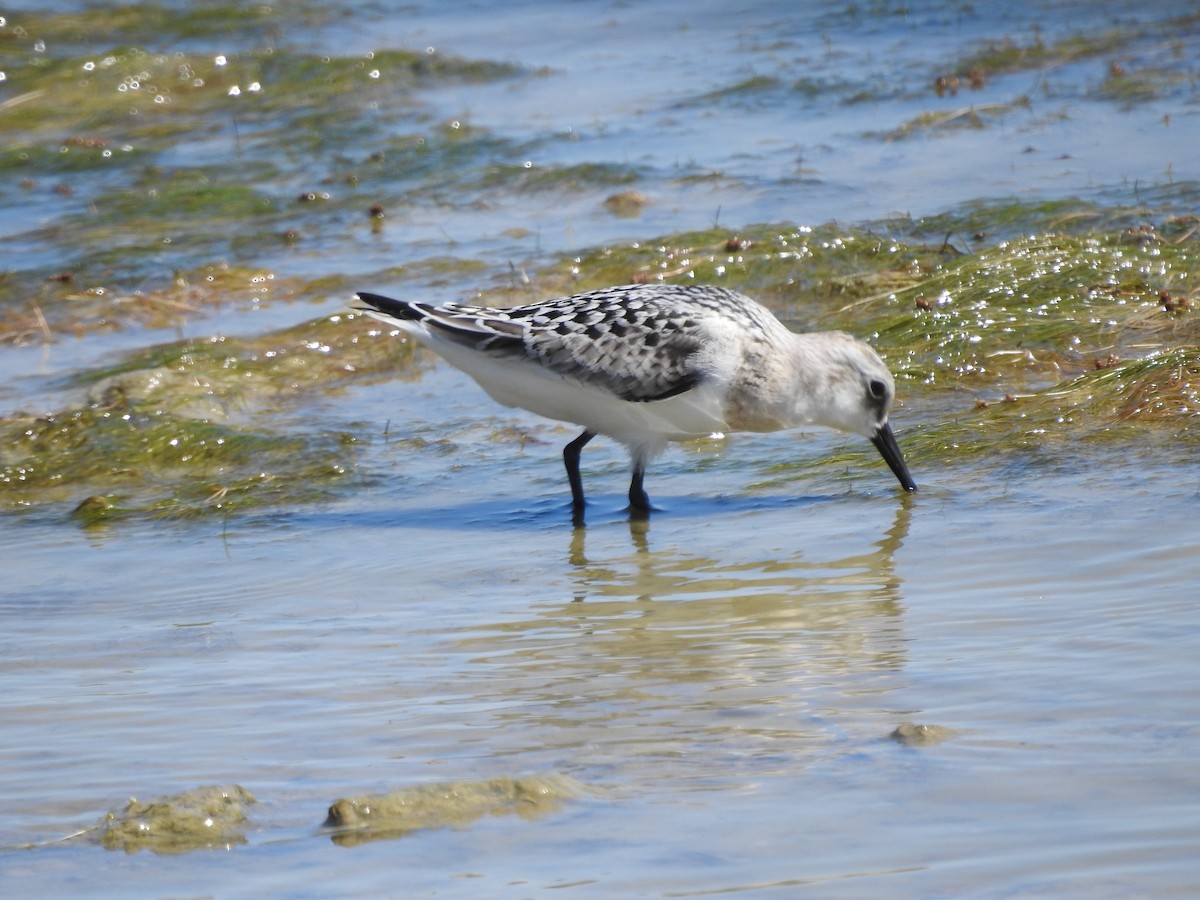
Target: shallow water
(728, 702)
(724, 681)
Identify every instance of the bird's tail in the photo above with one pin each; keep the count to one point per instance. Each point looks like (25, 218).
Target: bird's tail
(400, 310)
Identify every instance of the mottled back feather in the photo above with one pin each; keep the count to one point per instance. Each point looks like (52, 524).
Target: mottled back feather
(640, 343)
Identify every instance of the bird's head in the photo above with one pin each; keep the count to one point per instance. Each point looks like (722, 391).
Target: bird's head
(854, 392)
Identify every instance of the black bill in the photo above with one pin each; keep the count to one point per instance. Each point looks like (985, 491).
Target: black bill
(885, 443)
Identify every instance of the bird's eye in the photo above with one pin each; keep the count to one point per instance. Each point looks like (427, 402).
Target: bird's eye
(877, 389)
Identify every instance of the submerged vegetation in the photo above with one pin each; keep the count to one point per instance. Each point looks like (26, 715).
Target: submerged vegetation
(205, 818)
(162, 432)
(373, 817)
(218, 817)
(125, 151)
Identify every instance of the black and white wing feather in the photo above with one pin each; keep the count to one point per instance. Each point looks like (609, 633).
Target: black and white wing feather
(638, 343)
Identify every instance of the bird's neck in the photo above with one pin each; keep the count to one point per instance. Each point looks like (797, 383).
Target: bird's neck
(771, 391)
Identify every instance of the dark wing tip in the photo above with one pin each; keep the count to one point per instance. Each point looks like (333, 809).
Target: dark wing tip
(686, 381)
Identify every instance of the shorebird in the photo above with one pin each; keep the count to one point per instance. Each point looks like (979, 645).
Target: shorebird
(653, 363)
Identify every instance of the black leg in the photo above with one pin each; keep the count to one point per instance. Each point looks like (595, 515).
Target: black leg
(571, 460)
(639, 502)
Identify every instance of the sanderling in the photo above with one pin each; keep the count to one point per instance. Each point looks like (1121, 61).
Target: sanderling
(649, 364)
